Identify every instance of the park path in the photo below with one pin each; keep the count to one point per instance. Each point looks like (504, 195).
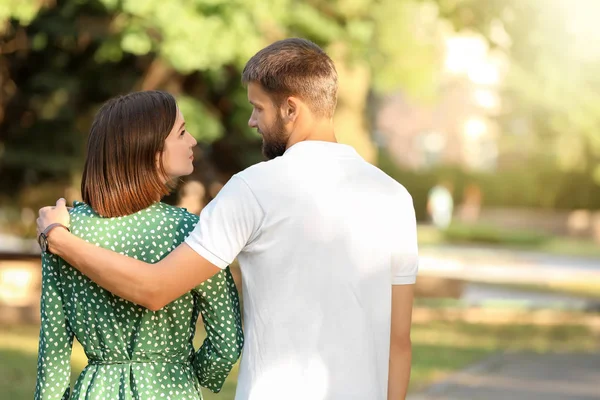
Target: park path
(522, 376)
(482, 264)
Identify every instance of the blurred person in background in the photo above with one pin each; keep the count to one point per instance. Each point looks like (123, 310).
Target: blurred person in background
(471, 204)
(326, 243)
(137, 147)
(440, 205)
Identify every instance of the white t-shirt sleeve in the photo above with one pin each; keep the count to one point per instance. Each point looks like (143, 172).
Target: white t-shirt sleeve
(227, 224)
(405, 254)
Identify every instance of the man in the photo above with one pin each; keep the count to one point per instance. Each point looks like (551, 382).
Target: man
(326, 243)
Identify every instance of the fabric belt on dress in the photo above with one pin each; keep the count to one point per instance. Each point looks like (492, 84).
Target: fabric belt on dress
(125, 362)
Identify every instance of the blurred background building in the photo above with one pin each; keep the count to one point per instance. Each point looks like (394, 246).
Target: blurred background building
(459, 127)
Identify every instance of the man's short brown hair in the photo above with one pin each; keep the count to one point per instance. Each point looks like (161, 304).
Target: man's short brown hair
(121, 175)
(295, 67)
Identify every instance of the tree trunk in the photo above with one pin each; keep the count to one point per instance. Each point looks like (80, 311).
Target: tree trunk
(351, 123)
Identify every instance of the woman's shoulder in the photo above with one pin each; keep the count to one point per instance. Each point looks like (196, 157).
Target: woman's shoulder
(176, 213)
(81, 209)
(83, 214)
(176, 218)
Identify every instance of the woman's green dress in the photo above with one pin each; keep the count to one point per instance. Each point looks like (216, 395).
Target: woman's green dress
(134, 353)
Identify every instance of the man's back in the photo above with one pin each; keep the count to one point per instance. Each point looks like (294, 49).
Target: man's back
(317, 274)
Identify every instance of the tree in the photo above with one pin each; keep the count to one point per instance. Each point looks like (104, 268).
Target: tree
(61, 60)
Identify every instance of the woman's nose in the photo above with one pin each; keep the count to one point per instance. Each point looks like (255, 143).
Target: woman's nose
(194, 142)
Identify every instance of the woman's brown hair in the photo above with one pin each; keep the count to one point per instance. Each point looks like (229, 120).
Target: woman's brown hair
(121, 174)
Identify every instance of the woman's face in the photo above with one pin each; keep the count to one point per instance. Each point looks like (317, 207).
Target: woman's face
(177, 156)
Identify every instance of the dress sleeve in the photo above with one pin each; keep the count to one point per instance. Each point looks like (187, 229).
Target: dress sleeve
(220, 308)
(56, 339)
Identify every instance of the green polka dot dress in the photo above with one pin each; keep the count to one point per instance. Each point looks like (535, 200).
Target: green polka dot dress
(134, 353)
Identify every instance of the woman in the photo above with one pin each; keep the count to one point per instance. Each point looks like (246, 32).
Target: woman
(137, 148)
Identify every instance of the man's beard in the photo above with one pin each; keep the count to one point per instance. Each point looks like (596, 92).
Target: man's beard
(274, 139)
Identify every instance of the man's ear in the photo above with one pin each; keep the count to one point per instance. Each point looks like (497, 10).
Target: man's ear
(290, 109)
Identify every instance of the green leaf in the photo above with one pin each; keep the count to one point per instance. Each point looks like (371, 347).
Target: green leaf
(200, 122)
(109, 51)
(136, 42)
(23, 11)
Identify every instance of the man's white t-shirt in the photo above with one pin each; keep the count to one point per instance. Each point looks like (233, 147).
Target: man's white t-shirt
(321, 236)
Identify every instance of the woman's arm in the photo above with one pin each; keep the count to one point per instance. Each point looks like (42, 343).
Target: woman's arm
(220, 307)
(150, 285)
(56, 339)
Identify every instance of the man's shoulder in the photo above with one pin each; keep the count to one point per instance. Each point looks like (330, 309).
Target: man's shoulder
(387, 182)
(265, 170)
(263, 167)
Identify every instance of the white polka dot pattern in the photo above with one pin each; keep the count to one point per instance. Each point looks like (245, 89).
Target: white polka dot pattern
(134, 353)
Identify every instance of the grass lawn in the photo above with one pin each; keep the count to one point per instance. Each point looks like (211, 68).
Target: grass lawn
(438, 349)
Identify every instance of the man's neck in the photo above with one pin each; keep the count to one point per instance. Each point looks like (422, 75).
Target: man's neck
(319, 130)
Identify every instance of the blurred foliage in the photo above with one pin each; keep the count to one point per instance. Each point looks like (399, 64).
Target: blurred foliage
(552, 89)
(484, 234)
(430, 236)
(60, 60)
(531, 184)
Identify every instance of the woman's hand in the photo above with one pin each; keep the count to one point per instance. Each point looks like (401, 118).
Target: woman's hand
(53, 214)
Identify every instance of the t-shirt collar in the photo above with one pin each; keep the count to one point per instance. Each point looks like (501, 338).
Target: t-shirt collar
(316, 146)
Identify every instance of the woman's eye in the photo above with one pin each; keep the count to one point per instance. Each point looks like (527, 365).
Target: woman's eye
(182, 133)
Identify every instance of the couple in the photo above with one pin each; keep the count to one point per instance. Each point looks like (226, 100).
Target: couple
(326, 244)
